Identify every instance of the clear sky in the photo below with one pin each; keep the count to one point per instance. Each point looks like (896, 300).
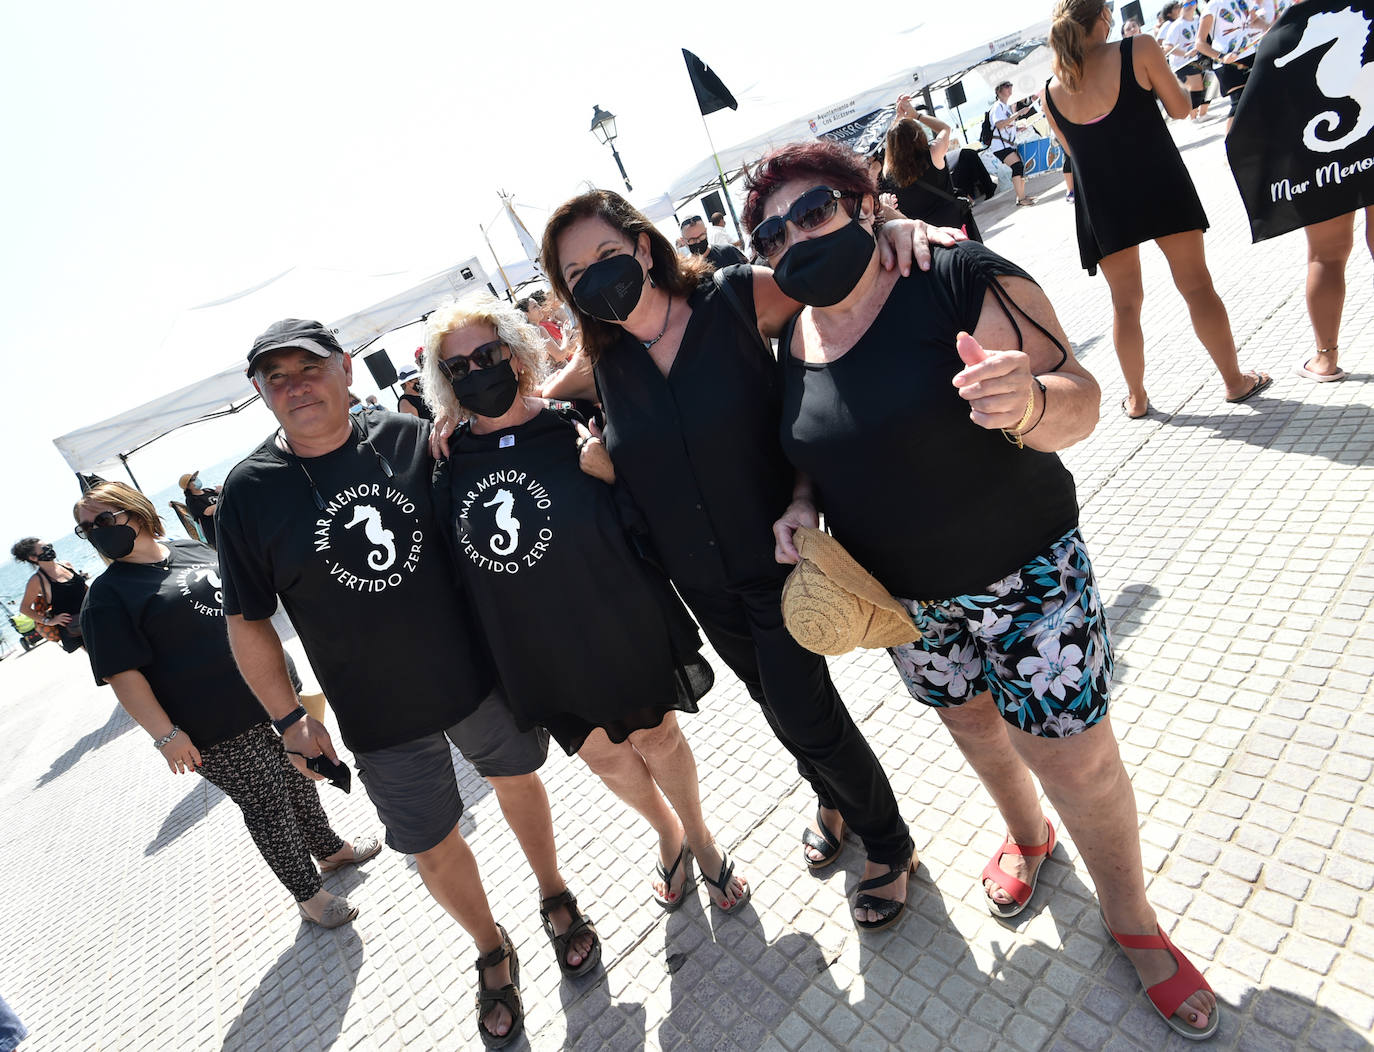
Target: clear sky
(163, 155)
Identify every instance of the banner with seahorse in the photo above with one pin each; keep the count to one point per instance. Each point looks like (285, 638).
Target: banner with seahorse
(1302, 148)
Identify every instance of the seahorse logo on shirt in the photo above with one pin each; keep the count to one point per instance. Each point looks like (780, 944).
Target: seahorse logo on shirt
(1341, 75)
(201, 585)
(509, 538)
(384, 541)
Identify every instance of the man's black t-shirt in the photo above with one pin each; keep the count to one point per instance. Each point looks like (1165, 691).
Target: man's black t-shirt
(927, 501)
(365, 580)
(164, 619)
(698, 449)
(725, 256)
(542, 552)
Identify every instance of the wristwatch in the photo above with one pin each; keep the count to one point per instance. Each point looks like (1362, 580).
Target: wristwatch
(291, 717)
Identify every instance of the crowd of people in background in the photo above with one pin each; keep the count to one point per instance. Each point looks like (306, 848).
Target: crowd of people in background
(656, 434)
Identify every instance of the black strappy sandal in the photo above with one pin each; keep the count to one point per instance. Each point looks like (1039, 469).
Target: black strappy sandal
(683, 862)
(562, 943)
(508, 995)
(889, 911)
(720, 883)
(827, 843)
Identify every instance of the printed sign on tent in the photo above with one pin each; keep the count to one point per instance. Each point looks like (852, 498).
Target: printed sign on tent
(1301, 149)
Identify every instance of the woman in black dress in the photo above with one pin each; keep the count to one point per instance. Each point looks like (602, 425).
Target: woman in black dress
(884, 389)
(689, 386)
(54, 593)
(155, 633)
(914, 170)
(540, 548)
(1101, 105)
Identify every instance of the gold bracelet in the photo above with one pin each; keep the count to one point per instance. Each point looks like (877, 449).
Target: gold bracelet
(1013, 435)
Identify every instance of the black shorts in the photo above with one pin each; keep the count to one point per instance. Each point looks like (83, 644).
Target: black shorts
(1188, 69)
(1232, 77)
(1001, 155)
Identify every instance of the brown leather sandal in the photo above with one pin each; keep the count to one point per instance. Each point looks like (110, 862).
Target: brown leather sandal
(562, 943)
(508, 995)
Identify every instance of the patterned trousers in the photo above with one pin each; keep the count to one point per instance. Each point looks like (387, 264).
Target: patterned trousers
(280, 806)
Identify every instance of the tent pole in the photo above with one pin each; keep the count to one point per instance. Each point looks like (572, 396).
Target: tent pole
(510, 292)
(124, 459)
(725, 190)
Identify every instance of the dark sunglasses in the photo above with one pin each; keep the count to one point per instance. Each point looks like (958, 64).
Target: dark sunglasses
(104, 519)
(484, 357)
(812, 209)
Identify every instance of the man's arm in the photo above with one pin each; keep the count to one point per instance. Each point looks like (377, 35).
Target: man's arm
(262, 663)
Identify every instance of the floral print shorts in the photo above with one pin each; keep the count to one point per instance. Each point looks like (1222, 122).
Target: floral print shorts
(1036, 639)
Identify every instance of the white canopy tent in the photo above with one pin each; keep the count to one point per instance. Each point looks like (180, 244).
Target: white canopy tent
(232, 323)
(830, 119)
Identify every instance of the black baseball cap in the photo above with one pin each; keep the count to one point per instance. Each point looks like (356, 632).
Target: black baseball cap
(293, 332)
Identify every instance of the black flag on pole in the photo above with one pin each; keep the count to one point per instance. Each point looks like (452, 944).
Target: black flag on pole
(712, 95)
(1301, 148)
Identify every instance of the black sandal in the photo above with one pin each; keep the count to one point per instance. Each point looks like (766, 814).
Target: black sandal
(562, 943)
(727, 870)
(889, 911)
(508, 995)
(825, 842)
(683, 862)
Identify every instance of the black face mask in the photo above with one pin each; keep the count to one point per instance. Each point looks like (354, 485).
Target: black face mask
(113, 542)
(488, 392)
(698, 248)
(46, 554)
(822, 271)
(610, 288)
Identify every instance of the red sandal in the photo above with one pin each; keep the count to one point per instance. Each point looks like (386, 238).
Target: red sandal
(1168, 996)
(1019, 890)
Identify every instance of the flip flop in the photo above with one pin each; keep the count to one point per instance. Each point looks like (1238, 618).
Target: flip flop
(1321, 378)
(1260, 384)
(1019, 890)
(1126, 409)
(666, 874)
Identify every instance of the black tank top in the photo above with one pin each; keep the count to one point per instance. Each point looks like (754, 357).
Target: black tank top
(923, 200)
(931, 504)
(1113, 159)
(698, 449)
(65, 597)
(418, 404)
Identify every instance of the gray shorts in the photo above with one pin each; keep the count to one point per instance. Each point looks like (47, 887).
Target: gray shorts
(414, 788)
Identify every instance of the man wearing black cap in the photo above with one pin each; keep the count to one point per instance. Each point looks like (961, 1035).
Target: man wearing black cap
(332, 515)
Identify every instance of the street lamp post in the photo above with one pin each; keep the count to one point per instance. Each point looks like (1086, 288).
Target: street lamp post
(603, 127)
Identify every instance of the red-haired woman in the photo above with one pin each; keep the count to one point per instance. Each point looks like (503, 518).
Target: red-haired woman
(883, 386)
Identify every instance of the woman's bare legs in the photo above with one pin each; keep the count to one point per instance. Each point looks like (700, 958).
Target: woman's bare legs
(636, 770)
(1122, 271)
(1084, 778)
(1188, 264)
(1328, 250)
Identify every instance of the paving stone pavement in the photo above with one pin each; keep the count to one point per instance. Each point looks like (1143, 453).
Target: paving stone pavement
(1233, 544)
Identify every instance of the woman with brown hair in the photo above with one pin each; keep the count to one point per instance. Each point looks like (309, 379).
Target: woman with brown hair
(54, 593)
(1101, 104)
(155, 633)
(666, 339)
(914, 170)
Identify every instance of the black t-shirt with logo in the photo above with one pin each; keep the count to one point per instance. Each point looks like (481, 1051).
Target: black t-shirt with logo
(583, 632)
(164, 619)
(365, 580)
(927, 501)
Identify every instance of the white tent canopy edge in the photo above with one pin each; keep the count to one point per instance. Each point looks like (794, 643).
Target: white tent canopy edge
(100, 447)
(814, 123)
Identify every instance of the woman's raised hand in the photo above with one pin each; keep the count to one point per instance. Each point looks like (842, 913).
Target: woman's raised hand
(996, 384)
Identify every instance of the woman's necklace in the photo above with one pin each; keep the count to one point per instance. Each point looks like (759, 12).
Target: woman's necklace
(668, 314)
